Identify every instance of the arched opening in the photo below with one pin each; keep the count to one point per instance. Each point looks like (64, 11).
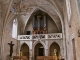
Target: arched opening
(54, 49)
(41, 23)
(39, 50)
(25, 50)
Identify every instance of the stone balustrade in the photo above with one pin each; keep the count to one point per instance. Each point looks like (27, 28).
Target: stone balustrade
(40, 36)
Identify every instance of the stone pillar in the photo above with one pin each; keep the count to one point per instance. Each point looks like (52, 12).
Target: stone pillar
(30, 51)
(1, 30)
(30, 57)
(18, 48)
(62, 49)
(46, 48)
(68, 6)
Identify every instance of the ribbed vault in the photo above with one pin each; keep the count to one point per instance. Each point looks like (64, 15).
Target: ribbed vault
(54, 8)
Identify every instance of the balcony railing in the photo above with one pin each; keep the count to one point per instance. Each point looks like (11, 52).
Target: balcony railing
(40, 36)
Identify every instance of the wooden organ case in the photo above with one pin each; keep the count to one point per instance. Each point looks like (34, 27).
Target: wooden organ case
(39, 24)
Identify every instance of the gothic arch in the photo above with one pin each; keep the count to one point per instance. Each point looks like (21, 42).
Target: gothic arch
(60, 45)
(54, 42)
(54, 46)
(25, 50)
(55, 8)
(36, 42)
(36, 48)
(10, 18)
(23, 42)
(46, 10)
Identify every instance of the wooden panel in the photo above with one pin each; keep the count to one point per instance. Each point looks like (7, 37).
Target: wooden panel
(20, 57)
(47, 58)
(39, 31)
(40, 57)
(50, 58)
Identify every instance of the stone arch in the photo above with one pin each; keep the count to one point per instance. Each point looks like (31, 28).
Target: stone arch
(36, 42)
(46, 11)
(22, 42)
(47, 19)
(25, 50)
(54, 42)
(36, 48)
(10, 18)
(54, 46)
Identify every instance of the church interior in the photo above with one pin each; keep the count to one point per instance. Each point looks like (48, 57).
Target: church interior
(40, 30)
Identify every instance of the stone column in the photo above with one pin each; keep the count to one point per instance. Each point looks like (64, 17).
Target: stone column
(46, 48)
(1, 24)
(68, 6)
(30, 51)
(18, 47)
(30, 57)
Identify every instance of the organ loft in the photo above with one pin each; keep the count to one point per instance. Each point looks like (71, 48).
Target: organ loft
(39, 24)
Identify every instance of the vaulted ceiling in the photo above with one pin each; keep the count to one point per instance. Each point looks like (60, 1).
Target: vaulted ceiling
(54, 8)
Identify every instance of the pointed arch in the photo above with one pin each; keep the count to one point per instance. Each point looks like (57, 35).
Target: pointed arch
(25, 50)
(46, 11)
(36, 42)
(54, 46)
(39, 50)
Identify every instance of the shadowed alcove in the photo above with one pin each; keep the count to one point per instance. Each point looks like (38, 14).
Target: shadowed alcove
(54, 48)
(39, 50)
(25, 50)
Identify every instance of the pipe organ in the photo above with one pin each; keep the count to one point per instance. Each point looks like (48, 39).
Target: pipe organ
(39, 24)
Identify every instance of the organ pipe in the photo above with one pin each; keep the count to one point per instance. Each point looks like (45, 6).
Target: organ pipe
(44, 20)
(33, 22)
(38, 17)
